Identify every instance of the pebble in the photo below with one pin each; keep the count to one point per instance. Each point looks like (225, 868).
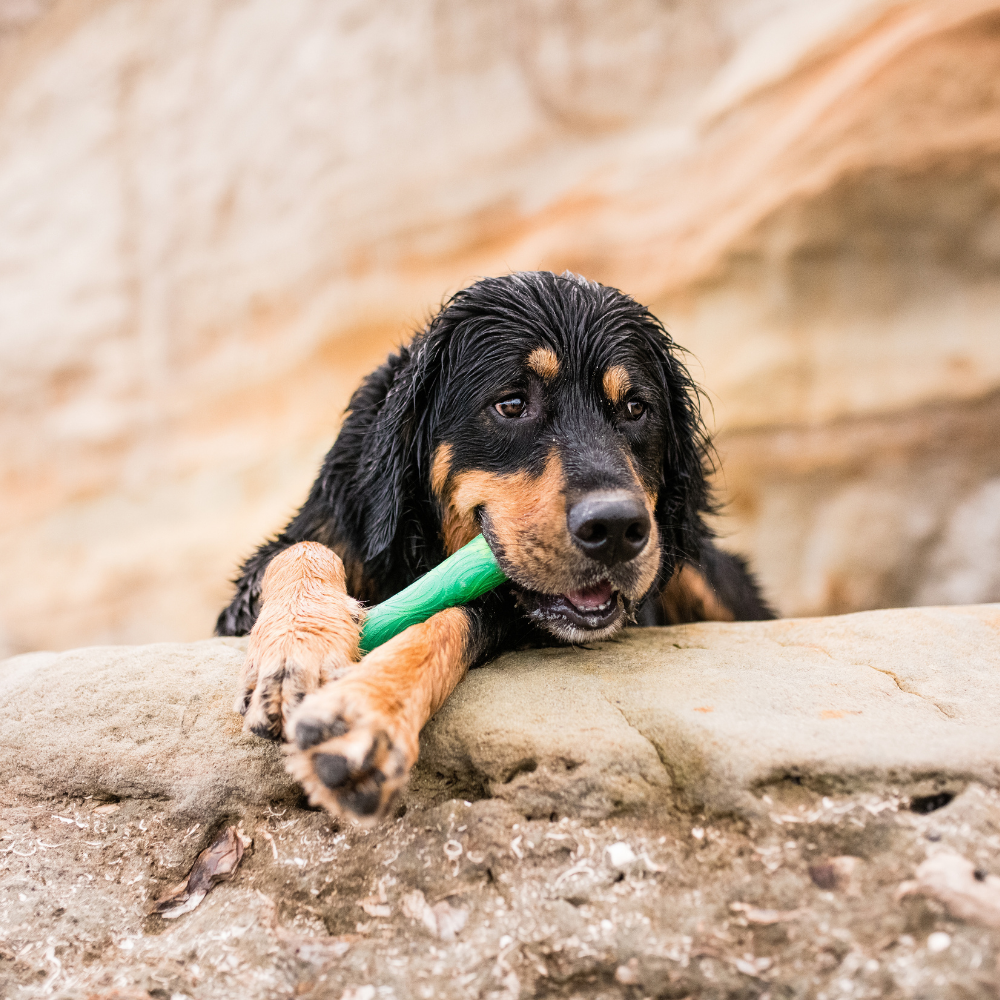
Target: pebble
(621, 855)
(938, 941)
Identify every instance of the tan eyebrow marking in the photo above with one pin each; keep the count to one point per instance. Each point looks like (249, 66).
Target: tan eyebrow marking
(616, 383)
(543, 360)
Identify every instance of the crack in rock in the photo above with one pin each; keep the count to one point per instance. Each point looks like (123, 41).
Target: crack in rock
(907, 690)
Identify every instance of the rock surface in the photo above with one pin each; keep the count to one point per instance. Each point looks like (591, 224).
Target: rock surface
(788, 808)
(215, 217)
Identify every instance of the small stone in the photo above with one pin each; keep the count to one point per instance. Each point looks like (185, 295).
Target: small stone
(835, 873)
(628, 974)
(621, 856)
(938, 941)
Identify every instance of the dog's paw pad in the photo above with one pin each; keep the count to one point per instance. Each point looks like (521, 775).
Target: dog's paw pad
(310, 732)
(365, 801)
(332, 769)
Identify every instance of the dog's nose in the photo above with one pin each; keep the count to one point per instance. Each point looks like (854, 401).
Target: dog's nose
(611, 527)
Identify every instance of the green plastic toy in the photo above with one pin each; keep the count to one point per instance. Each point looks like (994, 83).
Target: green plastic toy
(462, 577)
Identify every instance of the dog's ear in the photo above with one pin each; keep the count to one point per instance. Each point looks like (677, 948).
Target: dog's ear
(391, 519)
(685, 494)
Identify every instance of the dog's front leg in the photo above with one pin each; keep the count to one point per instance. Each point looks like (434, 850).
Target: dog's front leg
(306, 635)
(355, 740)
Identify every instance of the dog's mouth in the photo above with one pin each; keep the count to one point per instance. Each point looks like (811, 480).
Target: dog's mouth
(576, 614)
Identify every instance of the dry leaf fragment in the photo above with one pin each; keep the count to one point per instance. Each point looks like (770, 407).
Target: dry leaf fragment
(966, 893)
(215, 864)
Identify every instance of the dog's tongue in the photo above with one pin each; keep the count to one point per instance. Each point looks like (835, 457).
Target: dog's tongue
(590, 597)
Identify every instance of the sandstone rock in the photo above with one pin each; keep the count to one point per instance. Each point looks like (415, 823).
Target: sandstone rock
(124, 722)
(707, 716)
(893, 510)
(215, 218)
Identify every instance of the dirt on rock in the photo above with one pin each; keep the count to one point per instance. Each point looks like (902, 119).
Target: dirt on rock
(471, 899)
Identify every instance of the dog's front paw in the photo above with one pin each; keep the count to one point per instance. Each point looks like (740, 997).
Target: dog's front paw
(350, 755)
(274, 684)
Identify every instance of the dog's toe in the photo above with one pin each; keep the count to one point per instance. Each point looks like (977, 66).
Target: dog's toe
(309, 731)
(263, 713)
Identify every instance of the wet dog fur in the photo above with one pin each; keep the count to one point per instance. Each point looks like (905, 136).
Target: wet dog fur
(551, 414)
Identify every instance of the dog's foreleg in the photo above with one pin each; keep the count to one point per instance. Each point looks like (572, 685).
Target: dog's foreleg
(307, 633)
(355, 740)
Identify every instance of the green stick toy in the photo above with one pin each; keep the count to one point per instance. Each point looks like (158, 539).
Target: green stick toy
(462, 577)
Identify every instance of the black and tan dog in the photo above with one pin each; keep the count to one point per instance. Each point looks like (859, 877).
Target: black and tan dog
(553, 415)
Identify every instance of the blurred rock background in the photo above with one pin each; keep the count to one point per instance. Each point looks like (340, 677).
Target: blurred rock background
(215, 216)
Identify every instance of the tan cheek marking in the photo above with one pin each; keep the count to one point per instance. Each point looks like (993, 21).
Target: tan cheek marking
(469, 490)
(516, 501)
(543, 361)
(616, 384)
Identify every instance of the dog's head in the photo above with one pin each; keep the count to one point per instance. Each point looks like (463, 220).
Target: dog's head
(553, 415)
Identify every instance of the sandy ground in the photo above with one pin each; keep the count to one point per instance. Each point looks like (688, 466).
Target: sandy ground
(463, 899)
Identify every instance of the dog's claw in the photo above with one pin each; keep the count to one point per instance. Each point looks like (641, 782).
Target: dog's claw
(268, 730)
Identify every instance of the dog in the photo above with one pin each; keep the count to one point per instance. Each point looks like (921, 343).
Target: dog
(554, 416)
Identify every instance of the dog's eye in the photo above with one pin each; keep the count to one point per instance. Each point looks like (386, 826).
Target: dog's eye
(512, 407)
(635, 408)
